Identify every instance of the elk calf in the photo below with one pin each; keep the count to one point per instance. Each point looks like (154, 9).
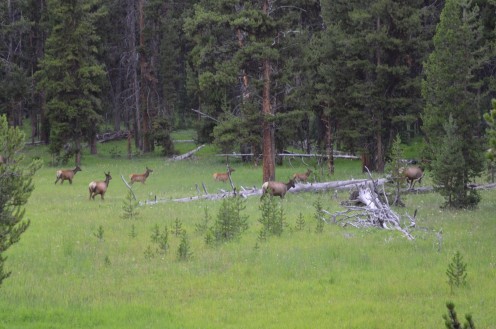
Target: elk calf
(99, 187)
(303, 178)
(223, 176)
(413, 174)
(140, 177)
(67, 174)
(277, 188)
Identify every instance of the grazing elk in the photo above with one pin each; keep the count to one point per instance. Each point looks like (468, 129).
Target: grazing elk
(67, 174)
(140, 177)
(413, 174)
(277, 188)
(99, 187)
(303, 178)
(223, 176)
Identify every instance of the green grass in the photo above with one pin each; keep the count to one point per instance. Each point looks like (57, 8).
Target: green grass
(64, 276)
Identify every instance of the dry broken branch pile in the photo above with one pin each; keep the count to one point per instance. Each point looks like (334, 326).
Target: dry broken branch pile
(371, 209)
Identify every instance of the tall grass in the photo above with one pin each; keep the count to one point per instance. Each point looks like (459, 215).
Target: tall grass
(64, 275)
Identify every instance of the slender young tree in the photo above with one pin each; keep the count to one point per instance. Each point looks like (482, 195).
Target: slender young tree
(15, 188)
(71, 75)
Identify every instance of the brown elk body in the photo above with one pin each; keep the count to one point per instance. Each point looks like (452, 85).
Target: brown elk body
(277, 188)
(223, 176)
(412, 175)
(140, 177)
(2, 160)
(299, 177)
(67, 174)
(99, 187)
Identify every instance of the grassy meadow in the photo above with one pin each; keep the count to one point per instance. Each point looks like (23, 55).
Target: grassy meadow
(81, 265)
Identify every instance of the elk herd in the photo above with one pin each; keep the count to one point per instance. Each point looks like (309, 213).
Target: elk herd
(412, 174)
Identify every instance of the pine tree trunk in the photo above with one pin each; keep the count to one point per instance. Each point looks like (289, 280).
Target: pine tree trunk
(269, 171)
(267, 126)
(329, 144)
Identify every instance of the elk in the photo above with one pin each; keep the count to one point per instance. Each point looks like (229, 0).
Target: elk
(140, 177)
(67, 174)
(277, 188)
(2, 160)
(99, 187)
(223, 176)
(299, 177)
(413, 174)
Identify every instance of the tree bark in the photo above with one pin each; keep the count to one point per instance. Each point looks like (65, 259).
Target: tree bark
(267, 126)
(268, 154)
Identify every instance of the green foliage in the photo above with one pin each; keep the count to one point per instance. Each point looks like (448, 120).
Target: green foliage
(230, 222)
(457, 271)
(451, 319)
(16, 186)
(133, 234)
(71, 75)
(161, 132)
(395, 167)
(100, 233)
(130, 206)
(178, 227)
(203, 226)
(160, 238)
(319, 216)
(272, 218)
(300, 222)
(184, 250)
(450, 171)
(490, 119)
(451, 91)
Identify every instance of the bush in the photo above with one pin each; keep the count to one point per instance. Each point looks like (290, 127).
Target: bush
(230, 223)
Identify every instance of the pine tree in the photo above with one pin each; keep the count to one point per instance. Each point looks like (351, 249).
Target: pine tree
(368, 79)
(449, 171)
(450, 89)
(72, 76)
(230, 222)
(15, 188)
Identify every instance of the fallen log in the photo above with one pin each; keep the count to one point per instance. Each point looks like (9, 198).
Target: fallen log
(188, 154)
(254, 191)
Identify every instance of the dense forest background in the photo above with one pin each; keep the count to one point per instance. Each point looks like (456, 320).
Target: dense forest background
(250, 76)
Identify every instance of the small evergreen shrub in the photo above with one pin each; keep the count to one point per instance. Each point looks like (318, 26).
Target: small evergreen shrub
(133, 234)
(202, 227)
(230, 222)
(178, 227)
(272, 218)
(319, 212)
(161, 239)
(451, 319)
(300, 223)
(99, 233)
(457, 271)
(129, 207)
(184, 251)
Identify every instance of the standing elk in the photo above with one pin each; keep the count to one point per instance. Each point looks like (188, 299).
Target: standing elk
(99, 187)
(67, 174)
(223, 176)
(140, 177)
(413, 174)
(277, 188)
(303, 178)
